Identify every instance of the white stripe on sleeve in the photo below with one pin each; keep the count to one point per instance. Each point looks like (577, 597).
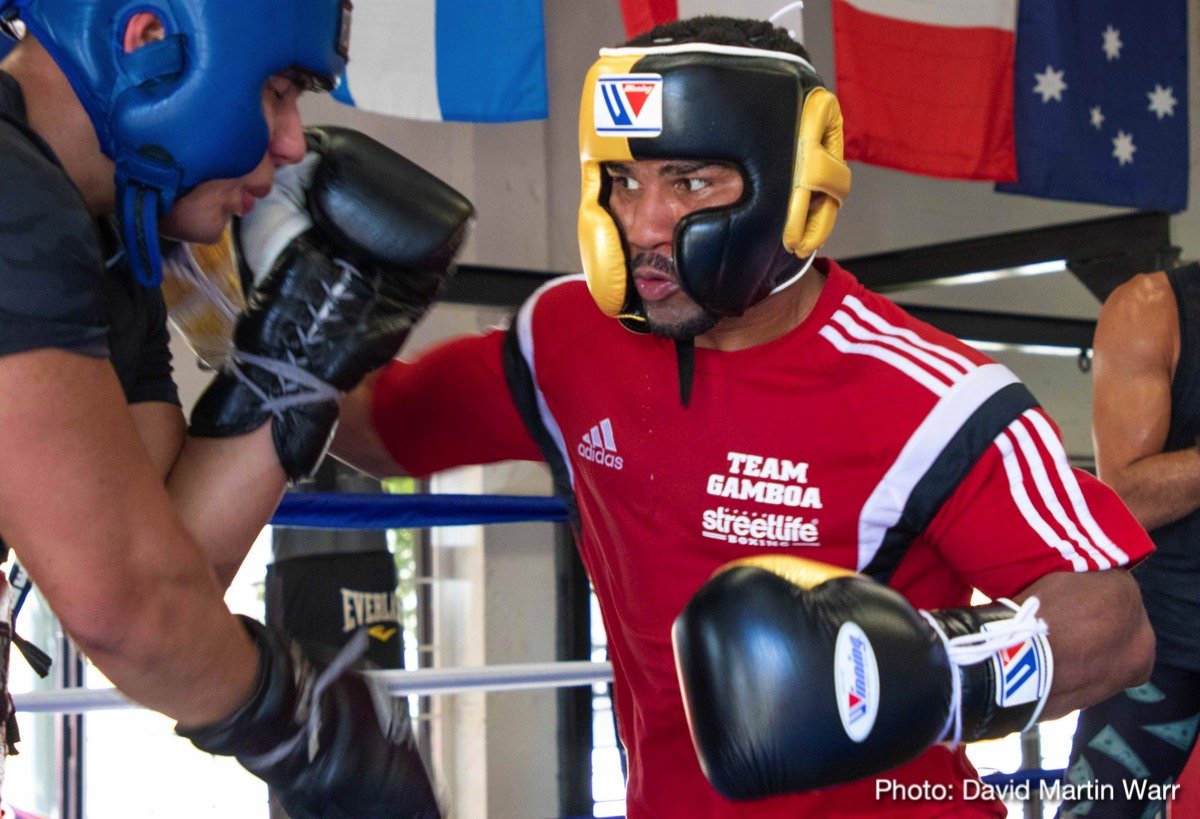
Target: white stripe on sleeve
(905, 365)
(1070, 484)
(858, 331)
(1049, 494)
(1016, 486)
(884, 326)
(888, 500)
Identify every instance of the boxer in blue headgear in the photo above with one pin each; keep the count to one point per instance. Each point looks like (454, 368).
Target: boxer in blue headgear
(175, 115)
(185, 106)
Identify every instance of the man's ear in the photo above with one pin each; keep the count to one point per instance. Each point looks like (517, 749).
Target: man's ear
(143, 27)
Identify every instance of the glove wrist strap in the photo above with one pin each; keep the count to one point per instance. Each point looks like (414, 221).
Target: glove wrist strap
(261, 715)
(308, 709)
(1005, 668)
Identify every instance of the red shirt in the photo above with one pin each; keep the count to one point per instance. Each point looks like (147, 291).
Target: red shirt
(841, 441)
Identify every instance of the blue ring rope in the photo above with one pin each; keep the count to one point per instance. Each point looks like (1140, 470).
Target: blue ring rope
(366, 511)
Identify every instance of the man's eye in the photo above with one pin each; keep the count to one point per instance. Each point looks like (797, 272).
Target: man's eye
(628, 183)
(693, 184)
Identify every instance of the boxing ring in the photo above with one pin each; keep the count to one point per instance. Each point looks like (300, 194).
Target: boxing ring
(374, 512)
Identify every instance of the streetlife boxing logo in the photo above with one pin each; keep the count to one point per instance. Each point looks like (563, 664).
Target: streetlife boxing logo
(856, 680)
(376, 609)
(628, 105)
(770, 482)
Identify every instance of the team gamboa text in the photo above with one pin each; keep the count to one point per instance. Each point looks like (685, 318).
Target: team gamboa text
(1129, 789)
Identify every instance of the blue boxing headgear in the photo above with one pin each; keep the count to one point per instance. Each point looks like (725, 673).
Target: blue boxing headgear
(188, 108)
(766, 112)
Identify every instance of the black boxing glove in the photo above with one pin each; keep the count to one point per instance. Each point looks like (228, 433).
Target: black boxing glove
(349, 250)
(798, 675)
(327, 741)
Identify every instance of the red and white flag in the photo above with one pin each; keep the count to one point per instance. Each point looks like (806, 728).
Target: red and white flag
(642, 15)
(926, 86)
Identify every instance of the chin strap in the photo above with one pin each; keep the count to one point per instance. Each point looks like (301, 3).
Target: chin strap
(685, 360)
(146, 189)
(981, 647)
(795, 277)
(685, 349)
(139, 230)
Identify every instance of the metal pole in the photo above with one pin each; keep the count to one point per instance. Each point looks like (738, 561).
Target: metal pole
(1031, 759)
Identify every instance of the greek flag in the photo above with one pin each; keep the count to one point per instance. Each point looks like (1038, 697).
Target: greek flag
(446, 60)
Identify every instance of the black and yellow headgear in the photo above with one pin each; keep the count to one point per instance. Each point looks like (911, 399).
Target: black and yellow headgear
(765, 111)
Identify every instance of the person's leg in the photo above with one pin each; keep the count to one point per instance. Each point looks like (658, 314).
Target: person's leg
(1139, 738)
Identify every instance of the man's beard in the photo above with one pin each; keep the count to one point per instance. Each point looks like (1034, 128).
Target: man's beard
(697, 320)
(685, 328)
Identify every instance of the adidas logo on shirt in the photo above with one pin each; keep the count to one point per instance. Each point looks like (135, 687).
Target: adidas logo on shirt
(599, 447)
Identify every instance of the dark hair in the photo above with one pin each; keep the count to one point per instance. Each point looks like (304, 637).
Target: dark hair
(728, 31)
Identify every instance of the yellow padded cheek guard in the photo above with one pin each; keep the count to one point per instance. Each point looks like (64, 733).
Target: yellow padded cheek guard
(819, 169)
(600, 247)
(601, 250)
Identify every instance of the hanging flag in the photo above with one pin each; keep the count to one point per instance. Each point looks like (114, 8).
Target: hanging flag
(447, 60)
(926, 85)
(1101, 102)
(642, 15)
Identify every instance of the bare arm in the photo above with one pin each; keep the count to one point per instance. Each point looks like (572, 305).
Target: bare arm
(356, 442)
(224, 489)
(1099, 636)
(84, 507)
(227, 489)
(161, 427)
(1136, 350)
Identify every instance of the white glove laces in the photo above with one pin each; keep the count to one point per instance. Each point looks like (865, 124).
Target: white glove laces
(302, 386)
(308, 709)
(969, 649)
(299, 386)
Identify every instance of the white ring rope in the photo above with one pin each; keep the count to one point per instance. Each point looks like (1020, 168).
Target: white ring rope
(419, 681)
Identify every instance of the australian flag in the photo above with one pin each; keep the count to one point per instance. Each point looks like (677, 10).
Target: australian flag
(1100, 102)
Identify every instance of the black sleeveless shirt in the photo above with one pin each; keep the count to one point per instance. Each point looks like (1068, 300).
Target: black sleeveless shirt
(64, 281)
(1170, 578)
